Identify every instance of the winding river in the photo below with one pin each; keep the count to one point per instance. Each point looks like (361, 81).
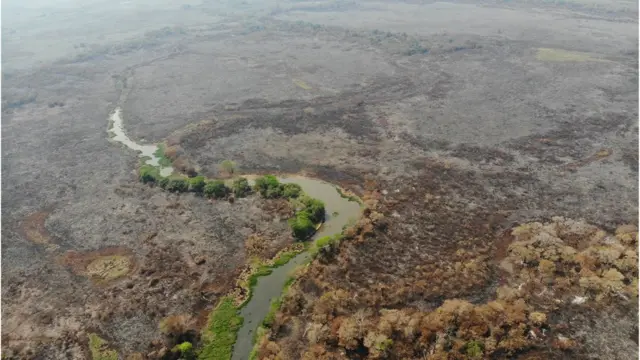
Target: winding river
(339, 212)
(116, 130)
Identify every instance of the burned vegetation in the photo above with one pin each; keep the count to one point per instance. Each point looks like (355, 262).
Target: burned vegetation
(495, 154)
(461, 293)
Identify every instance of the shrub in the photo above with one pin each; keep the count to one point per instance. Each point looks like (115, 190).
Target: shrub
(172, 152)
(174, 325)
(325, 242)
(216, 189)
(301, 226)
(383, 345)
(164, 182)
(314, 208)
(268, 186)
(241, 187)
(474, 349)
(185, 349)
(197, 184)
(228, 166)
(416, 48)
(149, 174)
(274, 193)
(325, 248)
(178, 185)
(183, 166)
(291, 191)
(190, 171)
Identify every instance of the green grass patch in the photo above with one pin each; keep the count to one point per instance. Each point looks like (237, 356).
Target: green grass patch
(263, 270)
(162, 159)
(271, 315)
(99, 350)
(284, 258)
(221, 332)
(348, 197)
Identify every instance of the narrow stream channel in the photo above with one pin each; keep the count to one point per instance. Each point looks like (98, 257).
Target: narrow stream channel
(339, 212)
(117, 130)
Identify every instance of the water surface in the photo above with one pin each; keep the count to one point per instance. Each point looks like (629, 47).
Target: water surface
(339, 212)
(145, 151)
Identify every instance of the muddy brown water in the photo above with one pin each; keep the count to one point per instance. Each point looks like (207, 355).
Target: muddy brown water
(119, 135)
(339, 213)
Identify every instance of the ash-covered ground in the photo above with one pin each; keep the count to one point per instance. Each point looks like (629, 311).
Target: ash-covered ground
(461, 119)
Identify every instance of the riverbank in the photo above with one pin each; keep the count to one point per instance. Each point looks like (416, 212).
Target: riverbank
(340, 212)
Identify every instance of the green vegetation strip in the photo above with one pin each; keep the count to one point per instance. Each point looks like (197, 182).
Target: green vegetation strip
(303, 225)
(348, 197)
(222, 331)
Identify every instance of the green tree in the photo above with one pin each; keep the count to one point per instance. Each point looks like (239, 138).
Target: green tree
(149, 174)
(216, 189)
(291, 190)
(241, 187)
(314, 208)
(229, 167)
(301, 226)
(196, 184)
(178, 185)
(268, 186)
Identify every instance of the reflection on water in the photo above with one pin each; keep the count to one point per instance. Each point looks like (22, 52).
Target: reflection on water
(339, 211)
(117, 129)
